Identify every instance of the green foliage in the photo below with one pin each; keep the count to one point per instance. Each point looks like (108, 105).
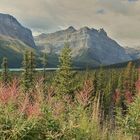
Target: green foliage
(44, 62)
(5, 71)
(13, 50)
(31, 67)
(127, 77)
(64, 80)
(28, 71)
(132, 120)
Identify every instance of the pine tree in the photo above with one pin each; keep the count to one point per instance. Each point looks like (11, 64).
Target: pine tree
(25, 74)
(5, 71)
(134, 78)
(28, 71)
(95, 82)
(127, 77)
(100, 81)
(64, 80)
(44, 62)
(127, 86)
(31, 67)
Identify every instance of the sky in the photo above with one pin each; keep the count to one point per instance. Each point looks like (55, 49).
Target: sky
(119, 18)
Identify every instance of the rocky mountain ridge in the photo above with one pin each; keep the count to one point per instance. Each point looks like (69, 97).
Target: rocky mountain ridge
(10, 27)
(89, 46)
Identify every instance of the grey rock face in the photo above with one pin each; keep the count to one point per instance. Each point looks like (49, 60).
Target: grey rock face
(10, 27)
(133, 52)
(88, 45)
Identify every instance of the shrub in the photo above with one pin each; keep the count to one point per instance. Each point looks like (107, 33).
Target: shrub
(132, 119)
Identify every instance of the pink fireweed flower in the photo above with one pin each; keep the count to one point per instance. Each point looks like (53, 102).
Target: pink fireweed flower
(58, 108)
(14, 88)
(137, 84)
(33, 110)
(116, 96)
(5, 95)
(51, 93)
(9, 92)
(128, 97)
(139, 70)
(23, 105)
(83, 96)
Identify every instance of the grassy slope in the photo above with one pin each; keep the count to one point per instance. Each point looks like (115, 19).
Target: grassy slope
(12, 49)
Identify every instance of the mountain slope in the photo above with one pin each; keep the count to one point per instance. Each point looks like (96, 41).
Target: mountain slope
(134, 52)
(14, 40)
(13, 49)
(89, 46)
(10, 27)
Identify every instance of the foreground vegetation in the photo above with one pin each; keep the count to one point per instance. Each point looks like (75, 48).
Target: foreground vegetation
(103, 104)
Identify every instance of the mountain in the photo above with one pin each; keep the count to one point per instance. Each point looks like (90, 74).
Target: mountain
(14, 40)
(89, 46)
(10, 27)
(13, 49)
(133, 52)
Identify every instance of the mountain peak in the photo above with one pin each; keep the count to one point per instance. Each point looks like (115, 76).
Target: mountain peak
(71, 29)
(8, 19)
(102, 32)
(88, 46)
(85, 28)
(10, 27)
(5, 15)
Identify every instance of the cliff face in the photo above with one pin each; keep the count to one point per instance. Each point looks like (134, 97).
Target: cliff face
(89, 46)
(14, 40)
(10, 27)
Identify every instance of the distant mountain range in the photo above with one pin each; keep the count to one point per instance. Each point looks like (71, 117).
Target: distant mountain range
(134, 52)
(90, 47)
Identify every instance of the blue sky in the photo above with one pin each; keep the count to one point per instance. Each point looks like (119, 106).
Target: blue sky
(120, 18)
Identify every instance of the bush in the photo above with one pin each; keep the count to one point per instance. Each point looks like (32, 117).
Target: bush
(132, 119)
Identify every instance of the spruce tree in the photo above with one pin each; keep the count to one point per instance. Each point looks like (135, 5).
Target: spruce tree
(64, 80)
(127, 77)
(5, 71)
(100, 81)
(127, 85)
(31, 67)
(134, 78)
(28, 71)
(44, 62)
(25, 74)
(95, 82)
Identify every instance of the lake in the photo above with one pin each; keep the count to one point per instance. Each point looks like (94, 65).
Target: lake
(37, 69)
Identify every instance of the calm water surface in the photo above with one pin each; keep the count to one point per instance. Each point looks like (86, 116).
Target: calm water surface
(37, 69)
